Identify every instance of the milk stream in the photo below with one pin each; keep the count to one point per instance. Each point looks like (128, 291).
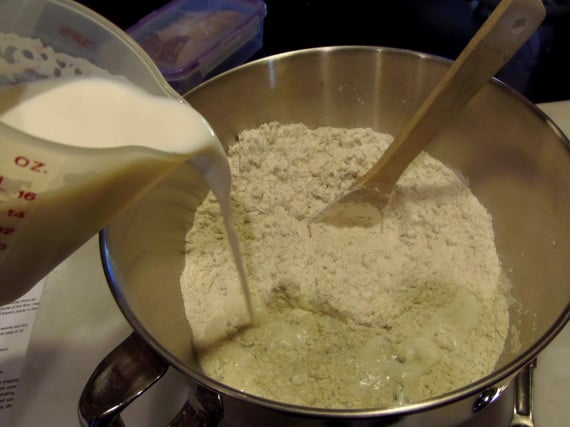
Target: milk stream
(72, 193)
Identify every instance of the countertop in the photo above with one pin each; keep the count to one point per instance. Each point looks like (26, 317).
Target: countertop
(78, 323)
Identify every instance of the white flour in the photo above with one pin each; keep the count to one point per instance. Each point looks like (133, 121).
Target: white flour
(346, 317)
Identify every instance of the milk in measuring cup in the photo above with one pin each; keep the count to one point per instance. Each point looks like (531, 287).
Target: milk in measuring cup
(54, 198)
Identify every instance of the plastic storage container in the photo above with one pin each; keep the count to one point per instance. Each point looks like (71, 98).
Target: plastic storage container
(191, 40)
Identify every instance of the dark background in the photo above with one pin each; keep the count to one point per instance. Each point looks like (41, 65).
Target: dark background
(540, 70)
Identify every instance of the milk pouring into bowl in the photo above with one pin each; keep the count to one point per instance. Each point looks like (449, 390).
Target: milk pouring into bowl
(78, 145)
(53, 201)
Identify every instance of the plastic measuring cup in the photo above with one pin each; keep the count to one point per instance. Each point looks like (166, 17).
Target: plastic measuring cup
(55, 197)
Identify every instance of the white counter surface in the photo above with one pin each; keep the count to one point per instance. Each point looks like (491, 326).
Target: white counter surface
(78, 323)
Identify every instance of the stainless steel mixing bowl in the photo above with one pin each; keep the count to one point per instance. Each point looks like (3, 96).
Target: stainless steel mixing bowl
(517, 163)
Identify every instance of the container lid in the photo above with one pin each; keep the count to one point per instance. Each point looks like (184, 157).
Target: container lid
(186, 35)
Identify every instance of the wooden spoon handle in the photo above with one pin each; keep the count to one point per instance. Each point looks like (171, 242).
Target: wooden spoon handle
(509, 26)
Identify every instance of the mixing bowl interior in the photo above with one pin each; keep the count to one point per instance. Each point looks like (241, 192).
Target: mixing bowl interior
(516, 161)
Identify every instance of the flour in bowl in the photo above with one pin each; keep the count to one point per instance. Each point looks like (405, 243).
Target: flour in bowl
(408, 309)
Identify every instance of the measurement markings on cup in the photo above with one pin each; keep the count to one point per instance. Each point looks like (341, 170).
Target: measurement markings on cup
(17, 197)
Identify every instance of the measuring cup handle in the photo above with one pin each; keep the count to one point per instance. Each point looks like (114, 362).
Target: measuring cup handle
(127, 372)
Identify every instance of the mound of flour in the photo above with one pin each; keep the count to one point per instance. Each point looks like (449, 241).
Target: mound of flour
(408, 309)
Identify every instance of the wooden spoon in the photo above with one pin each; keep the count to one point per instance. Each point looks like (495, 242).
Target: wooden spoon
(509, 26)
